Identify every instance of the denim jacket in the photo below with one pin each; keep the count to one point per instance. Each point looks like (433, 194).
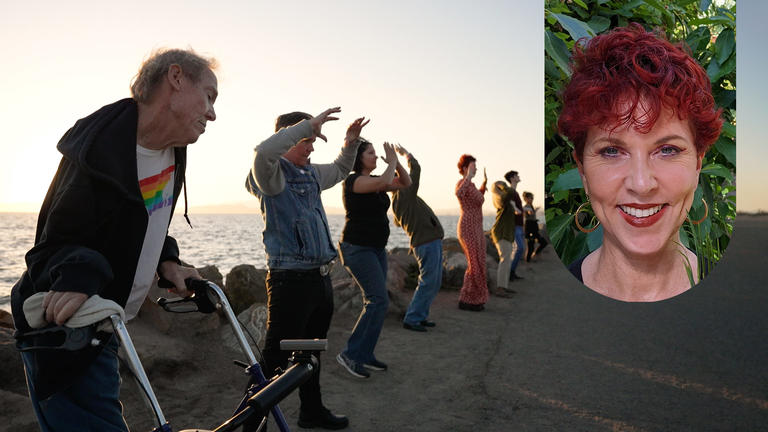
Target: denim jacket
(296, 233)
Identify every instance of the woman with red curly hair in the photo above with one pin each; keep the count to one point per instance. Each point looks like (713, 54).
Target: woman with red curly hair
(474, 291)
(640, 113)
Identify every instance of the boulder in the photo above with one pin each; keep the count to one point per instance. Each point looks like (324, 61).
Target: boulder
(245, 286)
(254, 319)
(398, 263)
(346, 294)
(454, 266)
(212, 273)
(6, 319)
(490, 247)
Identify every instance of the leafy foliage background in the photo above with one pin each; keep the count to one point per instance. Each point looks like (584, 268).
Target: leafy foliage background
(708, 27)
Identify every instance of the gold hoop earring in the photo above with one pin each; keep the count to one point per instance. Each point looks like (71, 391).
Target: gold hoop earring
(576, 220)
(706, 213)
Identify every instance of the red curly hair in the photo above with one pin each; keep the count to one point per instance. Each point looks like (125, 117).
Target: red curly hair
(464, 162)
(629, 69)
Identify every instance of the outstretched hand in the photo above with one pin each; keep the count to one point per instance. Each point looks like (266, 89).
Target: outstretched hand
(485, 177)
(317, 122)
(354, 129)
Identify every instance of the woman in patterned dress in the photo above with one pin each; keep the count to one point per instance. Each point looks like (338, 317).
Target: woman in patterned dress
(474, 292)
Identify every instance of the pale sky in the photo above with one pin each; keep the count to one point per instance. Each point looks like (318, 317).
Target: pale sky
(441, 78)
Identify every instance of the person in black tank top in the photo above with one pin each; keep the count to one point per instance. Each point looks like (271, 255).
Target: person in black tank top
(363, 242)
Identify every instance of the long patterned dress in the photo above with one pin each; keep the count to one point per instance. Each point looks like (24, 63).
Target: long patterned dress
(470, 232)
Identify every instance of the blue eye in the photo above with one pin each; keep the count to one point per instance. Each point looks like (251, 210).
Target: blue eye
(669, 150)
(609, 151)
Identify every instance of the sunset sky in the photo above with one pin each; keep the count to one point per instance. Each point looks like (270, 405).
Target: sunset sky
(441, 78)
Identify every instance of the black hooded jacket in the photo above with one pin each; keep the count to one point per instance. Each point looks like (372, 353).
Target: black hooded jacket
(90, 229)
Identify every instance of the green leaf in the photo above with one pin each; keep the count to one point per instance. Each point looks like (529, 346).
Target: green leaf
(719, 19)
(558, 227)
(698, 39)
(626, 11)
(725, 69)
(724, 45)
(725, 98)
(659, 7)
(553, 154)
(558, 51)
(704, 5)
(577, 29)
(580, 3)
(727, 148)
(551, 69)
(567, 180)
(729, 130)
(713, 70)
(717, 170)
(599, 23)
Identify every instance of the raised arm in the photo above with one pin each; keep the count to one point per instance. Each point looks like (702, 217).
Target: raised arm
(265, 171)
(387, 181)
(332, 173)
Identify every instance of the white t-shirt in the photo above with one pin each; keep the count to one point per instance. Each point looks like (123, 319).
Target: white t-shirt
(156, 171)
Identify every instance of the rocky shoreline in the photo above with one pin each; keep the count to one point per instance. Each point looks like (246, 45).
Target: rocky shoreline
(158, 334)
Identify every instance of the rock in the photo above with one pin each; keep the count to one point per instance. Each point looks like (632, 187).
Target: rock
(454, 266)
(490, 247)
(212, 273)
(255, 320)
(12, 371)
(6, 319)
(245, 286)
(346, 294)
(398, 263)
(451, 244)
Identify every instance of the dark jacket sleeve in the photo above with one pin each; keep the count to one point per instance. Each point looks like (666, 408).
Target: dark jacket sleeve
(170, 251)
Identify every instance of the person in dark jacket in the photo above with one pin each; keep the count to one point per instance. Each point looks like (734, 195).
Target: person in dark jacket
(426, 234)
(102, 232)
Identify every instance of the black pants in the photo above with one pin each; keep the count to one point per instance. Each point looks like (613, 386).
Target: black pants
(532, 234)
(300, 306)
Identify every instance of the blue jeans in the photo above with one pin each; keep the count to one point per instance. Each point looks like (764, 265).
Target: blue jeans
(520, 247)
(368, 266)
(92, 404)
(430, 259)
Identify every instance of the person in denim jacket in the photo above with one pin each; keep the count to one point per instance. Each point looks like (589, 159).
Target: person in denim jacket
(298, 243)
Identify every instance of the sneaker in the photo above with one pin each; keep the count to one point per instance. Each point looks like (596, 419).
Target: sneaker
(414, 327)
(352, 366)
(323, 419)
(375, 365)
(427, 323)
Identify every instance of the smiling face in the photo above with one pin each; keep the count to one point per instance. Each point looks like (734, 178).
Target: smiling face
(192, 106)
(641, 185)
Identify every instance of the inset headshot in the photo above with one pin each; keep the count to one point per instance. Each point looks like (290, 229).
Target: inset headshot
(640, 143)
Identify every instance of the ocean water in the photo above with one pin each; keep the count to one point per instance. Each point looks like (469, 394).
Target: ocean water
(223, 240)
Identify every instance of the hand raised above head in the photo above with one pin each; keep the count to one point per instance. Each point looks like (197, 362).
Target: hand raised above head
(354, 129)
(389, 153)
(318, 121)
(401, 150)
